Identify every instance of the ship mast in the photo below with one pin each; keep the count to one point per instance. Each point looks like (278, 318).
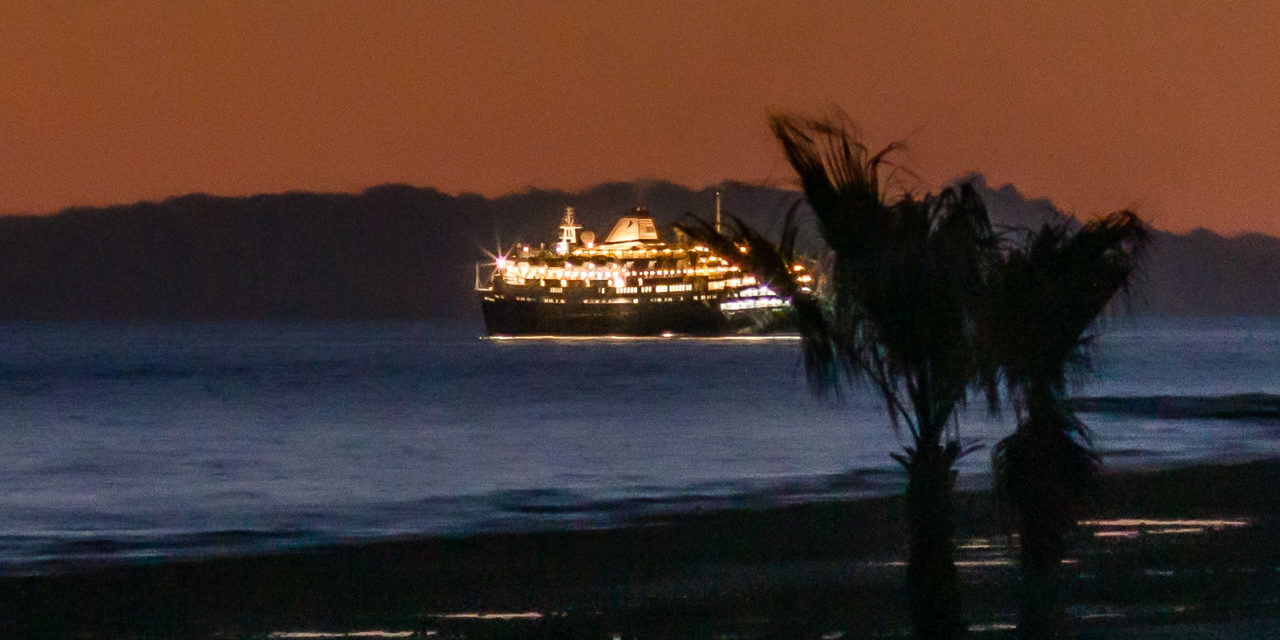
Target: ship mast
(717, 212)
(568, 232)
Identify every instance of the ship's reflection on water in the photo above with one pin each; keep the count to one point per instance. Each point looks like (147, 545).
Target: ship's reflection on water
(352, 634)
(491, 615)
(666, 337)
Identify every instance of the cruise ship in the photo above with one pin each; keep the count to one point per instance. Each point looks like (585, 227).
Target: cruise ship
(631, 284)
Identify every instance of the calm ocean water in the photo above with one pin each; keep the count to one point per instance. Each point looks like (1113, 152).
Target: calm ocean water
(151, 441)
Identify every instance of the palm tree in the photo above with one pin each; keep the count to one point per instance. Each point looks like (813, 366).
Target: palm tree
(1044, 297)
(906, 274)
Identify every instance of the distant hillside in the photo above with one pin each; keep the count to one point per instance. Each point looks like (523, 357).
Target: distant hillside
(397, 251)
(1198, 274)
(393, 251)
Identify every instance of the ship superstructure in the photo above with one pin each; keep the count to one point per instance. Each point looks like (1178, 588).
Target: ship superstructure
(632, 283)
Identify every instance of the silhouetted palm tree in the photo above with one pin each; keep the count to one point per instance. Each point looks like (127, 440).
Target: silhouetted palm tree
(906, 276)
(1044, 297)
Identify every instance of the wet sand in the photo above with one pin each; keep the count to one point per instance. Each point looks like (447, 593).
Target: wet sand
(1172, 554)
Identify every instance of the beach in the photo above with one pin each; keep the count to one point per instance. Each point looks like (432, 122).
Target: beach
(1183, 553)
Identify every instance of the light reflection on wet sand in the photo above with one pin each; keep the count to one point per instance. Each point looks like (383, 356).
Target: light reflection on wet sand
(1136, 527)
(1110, 586)
(1144, 522)
(475, 615)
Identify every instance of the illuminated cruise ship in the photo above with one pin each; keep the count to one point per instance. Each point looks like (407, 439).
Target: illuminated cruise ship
(631, 284)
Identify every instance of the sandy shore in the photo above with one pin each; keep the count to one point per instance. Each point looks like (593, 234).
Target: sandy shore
(1172, 554)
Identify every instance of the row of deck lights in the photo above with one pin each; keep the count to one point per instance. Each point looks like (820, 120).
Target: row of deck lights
(590, 273)
(615, 275)
(606, 252)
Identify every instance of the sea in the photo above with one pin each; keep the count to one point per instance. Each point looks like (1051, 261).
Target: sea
(151, 442)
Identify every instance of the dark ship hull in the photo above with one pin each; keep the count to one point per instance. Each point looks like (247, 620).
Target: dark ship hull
(517, 317)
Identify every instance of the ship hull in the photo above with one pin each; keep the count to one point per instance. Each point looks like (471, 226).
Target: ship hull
(504, 316)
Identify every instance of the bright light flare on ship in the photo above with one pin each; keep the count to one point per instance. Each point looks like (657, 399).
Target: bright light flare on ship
(499, 259)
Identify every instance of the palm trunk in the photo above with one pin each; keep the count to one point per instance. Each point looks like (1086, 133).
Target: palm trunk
(933, 585)
(1045, 512)
(1042, 550)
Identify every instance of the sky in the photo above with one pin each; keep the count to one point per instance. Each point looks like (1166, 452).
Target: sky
(1170, 107)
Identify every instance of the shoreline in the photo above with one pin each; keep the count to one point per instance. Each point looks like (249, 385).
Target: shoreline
(795, 571)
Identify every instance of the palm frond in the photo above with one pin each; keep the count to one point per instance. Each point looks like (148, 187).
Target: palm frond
(1046, 294)
(1043, 297)
(771, 263)
(907, 272)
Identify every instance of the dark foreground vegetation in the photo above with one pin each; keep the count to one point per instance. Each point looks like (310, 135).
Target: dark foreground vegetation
(1203, 562)
(922, 299)
(404, 252)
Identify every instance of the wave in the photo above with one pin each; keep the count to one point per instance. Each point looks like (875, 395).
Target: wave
(1242, 406)
(504, 511)
(51, 552)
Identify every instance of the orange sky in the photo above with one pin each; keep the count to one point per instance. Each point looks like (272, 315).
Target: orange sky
(1171, 106)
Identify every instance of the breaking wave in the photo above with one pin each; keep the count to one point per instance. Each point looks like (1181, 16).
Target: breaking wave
(1242, 406)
